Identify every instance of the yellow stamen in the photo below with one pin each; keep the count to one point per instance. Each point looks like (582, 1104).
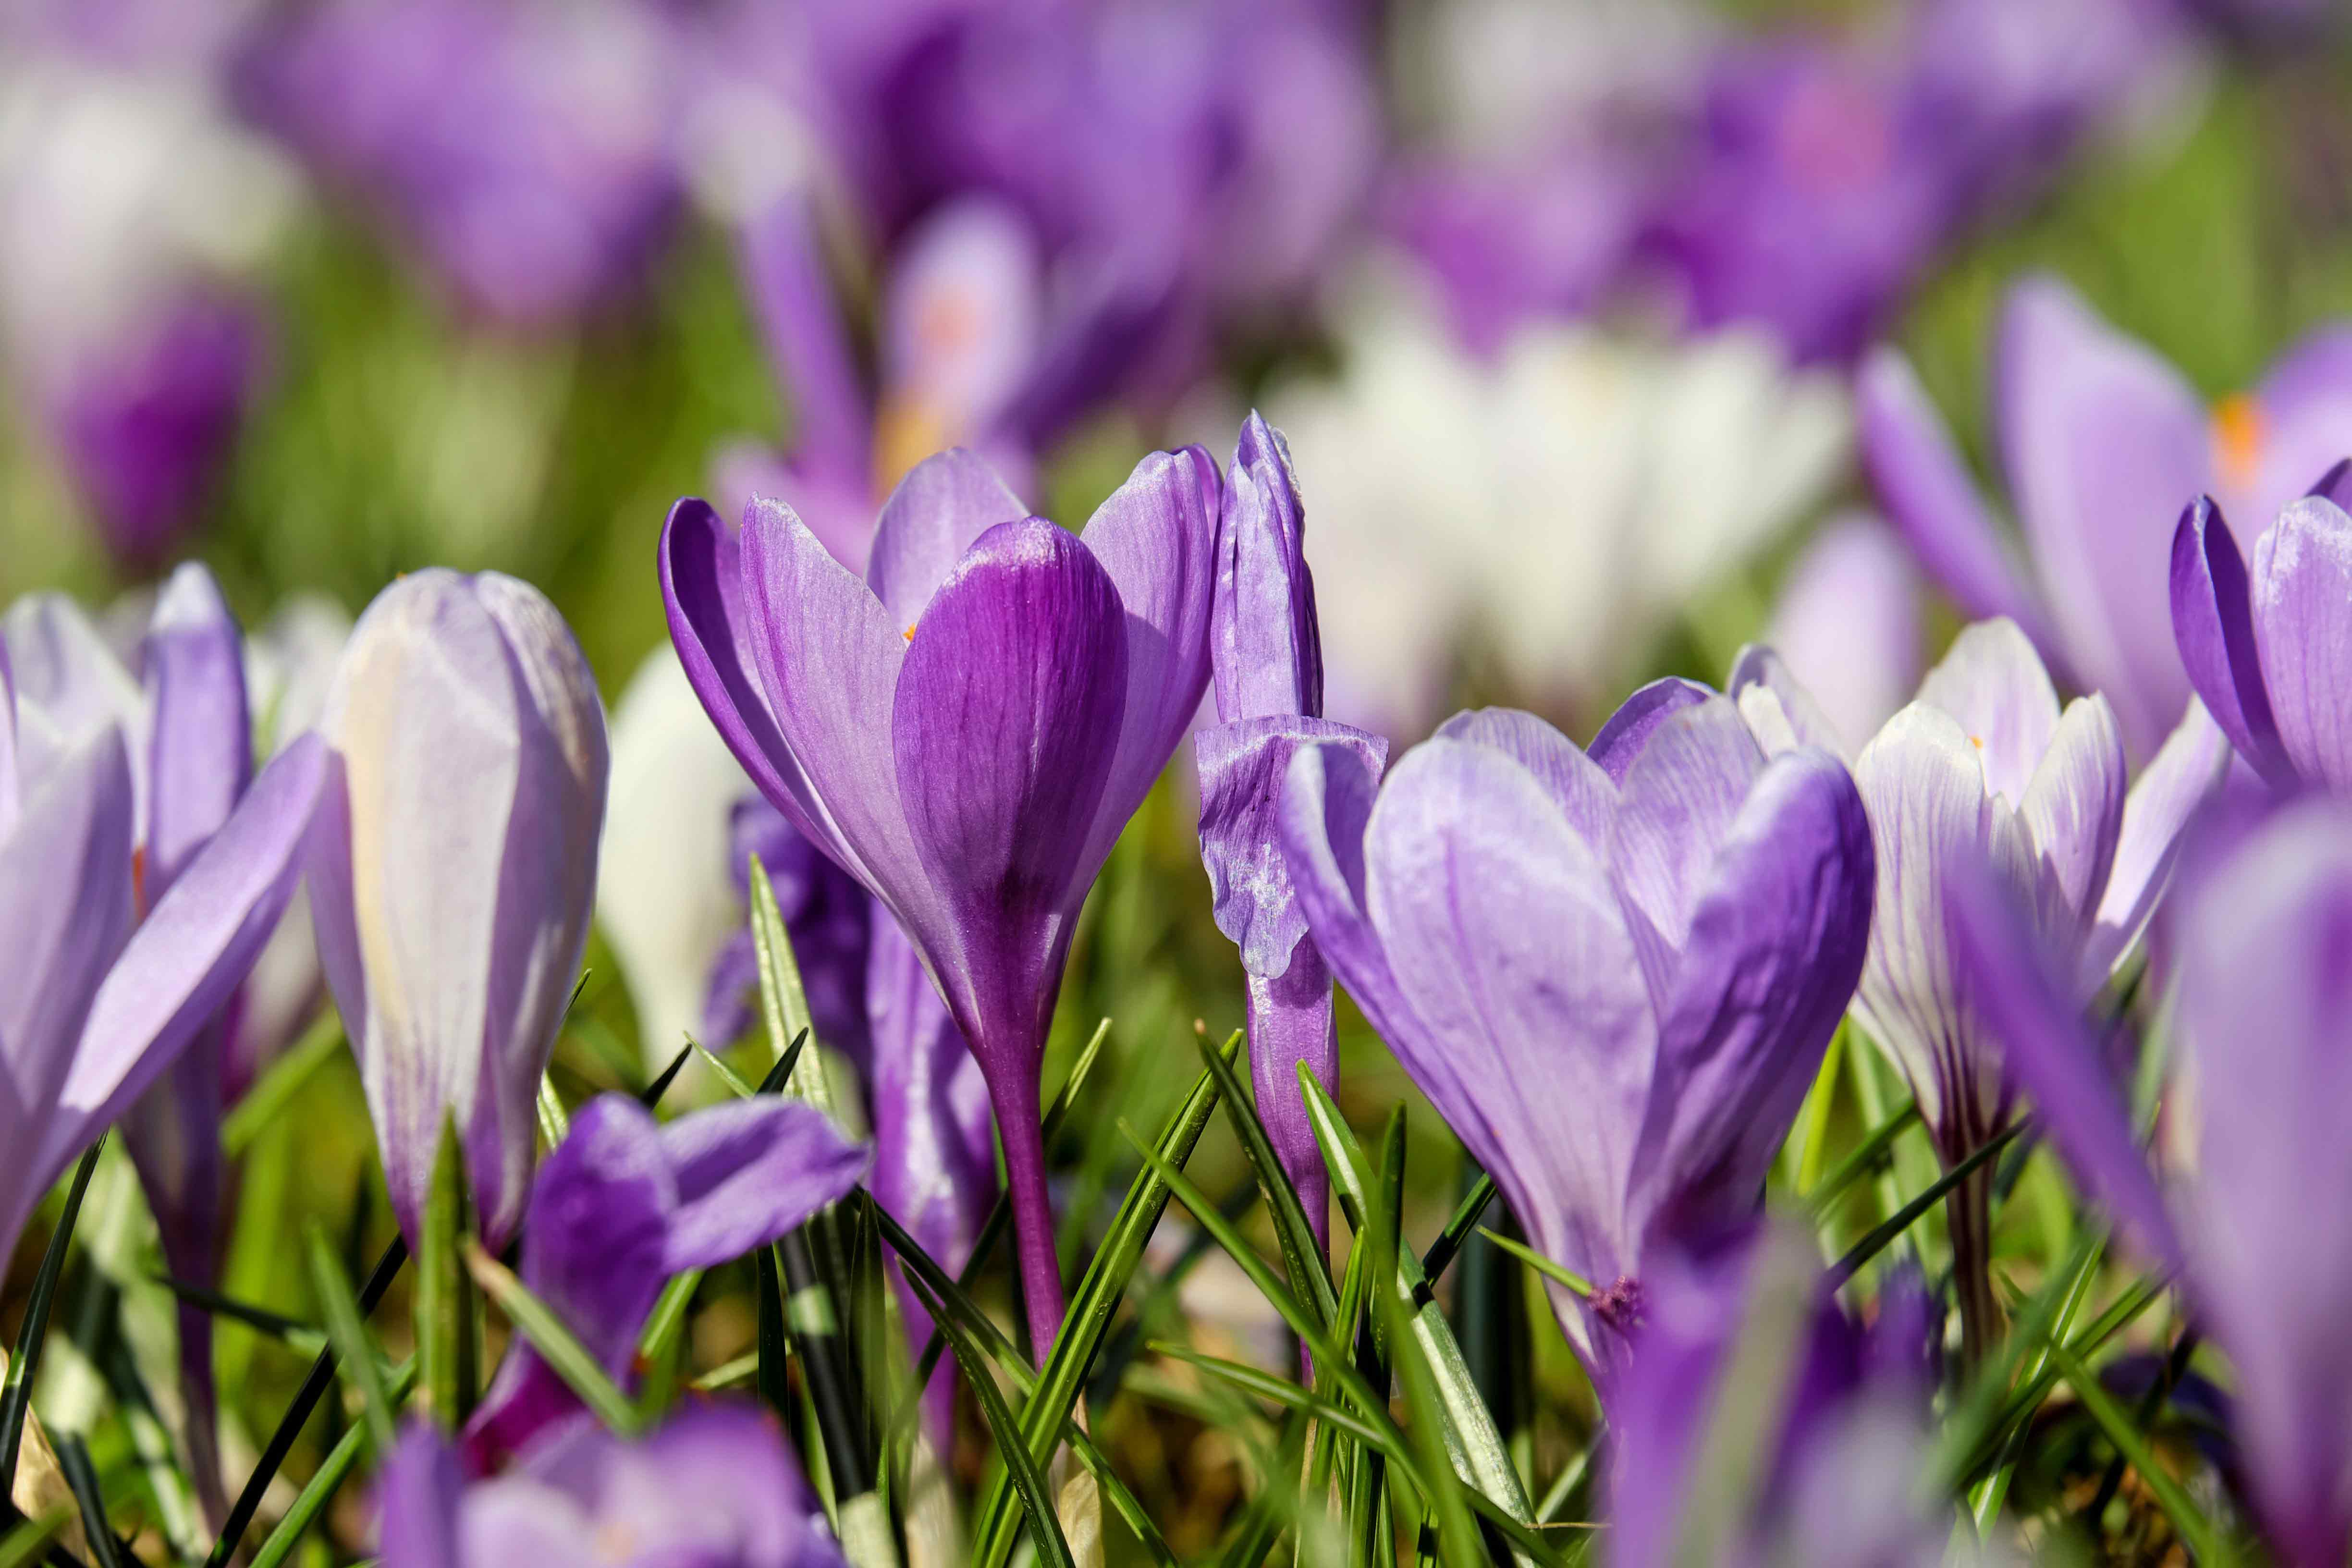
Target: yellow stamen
(905, 433)
(2238, 433)
(909, 633)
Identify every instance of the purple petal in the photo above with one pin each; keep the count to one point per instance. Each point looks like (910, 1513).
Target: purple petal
(2336, 484)
(2302, 625)
(1267, 651)
(1775, 947)
(181, 965)
(1013, 682)
(1291, 1020)
(1242, 767)
(1933, 501)
(2044, 1046)
(1157, 539)
(937, 514)
(2104, 444)
(2185, 775)
(1848, 625)
(596, 1240)
(1777, 710)
(1587, 795)
(1675, 805)
(417, 1498)
(808, 346)
(960, 321)
(2074, 810)
(2303, 427)
(64, 671)
(1621, 738)
(750, 1171)
(2213, 625)
(201, 754)
(1534, 1035)
(1992, 685)
(1327, 804)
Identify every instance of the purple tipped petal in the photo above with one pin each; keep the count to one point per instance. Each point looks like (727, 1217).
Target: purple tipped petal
(2104, 444)
(2302, 625)
(1242, 766)
(1156, 538)
(1931, 498)
(1268, 653)
(1587, 795)
(747, 1173)
(202, 751)
(2185, 775)
(959, 319)
(942, 505)
(417, 1498)
(1677, 802)
(1779, 712)
(1017, 674)
(1291, 1020)
(1993, 686)
(2213, 625)
(1621, 739)
(2336, 484)
(1775, 947)
(1327, 804)
(64, 671)
(2074, 810)
(2046, 1049)
(808, 346)
(2303, 425)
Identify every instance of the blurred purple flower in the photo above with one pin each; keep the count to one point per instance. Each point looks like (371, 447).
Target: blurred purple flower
(715, 1488)
(968, 730)
(825, 915)
(1267, 660)
(527, 149)
(1615, 974)
(2102, 444)
(622, 1204)
(1848, 626)
(2260, 1227)
(452, 870)
(1984, 765)
(2269, 652)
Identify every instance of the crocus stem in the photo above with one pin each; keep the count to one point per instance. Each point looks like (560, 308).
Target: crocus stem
(1015, 1095)
(1969, 1211)
(1290, 1021)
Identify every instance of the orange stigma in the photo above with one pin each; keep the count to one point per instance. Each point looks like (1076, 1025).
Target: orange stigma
(2239, 428)
(909, 633)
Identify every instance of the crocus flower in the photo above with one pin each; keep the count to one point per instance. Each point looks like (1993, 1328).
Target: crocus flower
(1985, 765)
(1848, 626)
(622, 1204)
(967, 730)
(452, 870)
(2267, 650)
(2261, 1227)
(2102, 444)
(1760, 1423)
(715, 1486)
(1613, 972)
(1267, 660)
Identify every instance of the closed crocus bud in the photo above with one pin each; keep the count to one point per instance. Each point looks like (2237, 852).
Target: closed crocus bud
(452, 867)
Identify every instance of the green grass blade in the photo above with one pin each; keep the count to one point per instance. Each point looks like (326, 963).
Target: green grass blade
(557, 1345)
(81, 1480)
(27, 1542)
(321, 1488)
(444, 1292)
(1903, 1219)
(2197, 1532)
(347, 1331)
(1448, 1244)
(292, 1333)
(554, 1121)
(1540, 1264)
(279, 1083)
(1278, 1390)
(1302, 1259)
(1863, 1160)
(17, 1391)
(651, 1098)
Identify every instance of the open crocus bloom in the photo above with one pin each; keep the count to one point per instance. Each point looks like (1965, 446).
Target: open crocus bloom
(2103, 444)
(967, 730)
(1615, 972)
(2262, 1230)
(2269, 651)
(1985, 765)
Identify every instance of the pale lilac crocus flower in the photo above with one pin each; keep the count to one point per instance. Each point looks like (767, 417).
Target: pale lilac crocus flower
(1984, 764)
(2102, 444)
(1615, 972)
(452, 870)
(2260, 1227)
(966, 731)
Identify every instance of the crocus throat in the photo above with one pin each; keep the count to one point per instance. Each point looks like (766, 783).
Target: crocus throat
(2239, 428)
(1620, 1306)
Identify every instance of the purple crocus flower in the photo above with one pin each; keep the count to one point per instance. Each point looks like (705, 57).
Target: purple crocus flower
(1848, 624)
(2267, 650)
(1760, 1423)
(714, 1487)
(967, 730)
(108, 987)
(622, 1204)
(2102, 444)
(2261, 1227)
(453, 869)
(827, 916)
(1615, 972)
(1985, 765)
(1267, 659)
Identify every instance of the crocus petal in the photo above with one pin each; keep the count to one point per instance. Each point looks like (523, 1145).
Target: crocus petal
(2336, 485)
(1848, 625)
(942, 505)
(2185, 775)
(1779, 712)
(1156, 538)
(203, 746)
(2302, 625)
(1931, 498)
(1327, 804)
(1677, 802)
(1587, 795)
(1775, 946)
(958, 322)
(808, 346)
(62, 669)
(2074, 810)
(1018, 673)
(2304, 411)
(1476, 881)
(750, 1171)
(2213, 625)
(187, 957)
(1242, 766)
(2032, 1017)
(416, 1496)
(1621, 738)
(595, 1246)
(1267, 649)
(2104, 444)
(1994, 685)
(2263, 1006)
